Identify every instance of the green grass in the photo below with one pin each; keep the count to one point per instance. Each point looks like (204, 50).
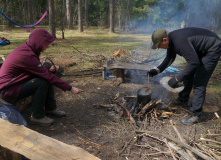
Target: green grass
(96, 40)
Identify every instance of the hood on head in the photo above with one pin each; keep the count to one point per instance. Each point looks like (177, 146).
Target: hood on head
(39, 39)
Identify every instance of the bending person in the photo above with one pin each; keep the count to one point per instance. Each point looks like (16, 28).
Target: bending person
(201, 49)
(23, 75)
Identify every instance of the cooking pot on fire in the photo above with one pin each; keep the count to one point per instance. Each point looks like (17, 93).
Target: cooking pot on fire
(143, 96)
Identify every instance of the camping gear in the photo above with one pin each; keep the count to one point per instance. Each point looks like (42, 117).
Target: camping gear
(164, 83)
(25, 26)
(143, 95)
(11, 114)
(4, 41)
(59, 72)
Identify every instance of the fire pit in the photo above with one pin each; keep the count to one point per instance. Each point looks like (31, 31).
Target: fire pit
(137, 108)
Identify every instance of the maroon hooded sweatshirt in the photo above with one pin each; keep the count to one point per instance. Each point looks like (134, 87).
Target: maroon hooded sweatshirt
(23, 64)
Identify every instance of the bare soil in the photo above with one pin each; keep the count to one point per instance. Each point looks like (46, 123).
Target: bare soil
(101, 132)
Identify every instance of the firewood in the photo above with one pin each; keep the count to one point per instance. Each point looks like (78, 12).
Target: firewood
(116, 96)
(171, 152)
(166, 114)
(206, 149)
(103, 105)
(183, 140)
(210, 140)
(180, 151)
(216, 114)
(197, 152)
(149, 106)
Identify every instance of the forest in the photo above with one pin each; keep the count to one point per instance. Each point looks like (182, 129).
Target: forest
(121, 15)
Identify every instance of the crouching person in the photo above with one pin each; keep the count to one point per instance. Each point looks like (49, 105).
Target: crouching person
(23, 75)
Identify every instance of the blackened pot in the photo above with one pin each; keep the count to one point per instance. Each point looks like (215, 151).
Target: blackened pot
(143, 96)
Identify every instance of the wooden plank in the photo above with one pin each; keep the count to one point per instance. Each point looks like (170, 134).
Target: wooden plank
(35, 146)
(120, 65)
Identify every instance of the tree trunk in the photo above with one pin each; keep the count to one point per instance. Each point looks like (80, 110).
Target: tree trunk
(128, 16)
(30, 18)
(80, 23)
(69, 14)
(51, 18)
(8, 13)
(63, 19)
(111, 8)
(86, 13)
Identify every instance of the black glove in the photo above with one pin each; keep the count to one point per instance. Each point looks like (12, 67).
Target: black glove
(152, 72)
(173, 83)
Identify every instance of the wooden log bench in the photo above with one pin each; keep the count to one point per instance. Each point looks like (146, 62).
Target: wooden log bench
(35, 146)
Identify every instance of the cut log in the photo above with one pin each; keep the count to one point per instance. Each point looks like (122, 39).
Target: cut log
(35, 146)
(8, 154)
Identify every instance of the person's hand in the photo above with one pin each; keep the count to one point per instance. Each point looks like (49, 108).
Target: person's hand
(152, 72)
(173, 82)
(53, 68)
(75, 90)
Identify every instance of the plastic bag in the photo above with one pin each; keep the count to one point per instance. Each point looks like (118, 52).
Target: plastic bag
(11, 114)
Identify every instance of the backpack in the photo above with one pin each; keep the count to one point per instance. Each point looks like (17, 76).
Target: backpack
(11, 114)
(4, 41)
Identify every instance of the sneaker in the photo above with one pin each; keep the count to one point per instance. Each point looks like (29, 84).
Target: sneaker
(45, 121)
(57, 113)
(180, 103)
(190, 119)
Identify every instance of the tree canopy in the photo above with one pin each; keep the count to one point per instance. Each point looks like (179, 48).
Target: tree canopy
(128, 14)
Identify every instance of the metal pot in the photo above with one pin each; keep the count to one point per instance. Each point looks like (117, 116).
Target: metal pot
(143, 95)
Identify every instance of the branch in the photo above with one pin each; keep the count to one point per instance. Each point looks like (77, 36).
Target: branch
(177, 141)
(180, 151)
(183, 140)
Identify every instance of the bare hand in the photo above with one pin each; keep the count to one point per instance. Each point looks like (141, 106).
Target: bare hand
(76, 90)
(53, 68)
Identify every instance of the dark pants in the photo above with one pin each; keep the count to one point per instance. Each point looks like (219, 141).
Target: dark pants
(43, 96)
(198, 81)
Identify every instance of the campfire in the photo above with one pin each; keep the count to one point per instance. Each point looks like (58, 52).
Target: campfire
(139, 108)
(145, 114)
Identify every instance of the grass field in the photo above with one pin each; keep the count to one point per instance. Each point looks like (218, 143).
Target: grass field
(94, 40)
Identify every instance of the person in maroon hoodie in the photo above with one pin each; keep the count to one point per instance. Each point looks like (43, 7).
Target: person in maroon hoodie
(22, 75)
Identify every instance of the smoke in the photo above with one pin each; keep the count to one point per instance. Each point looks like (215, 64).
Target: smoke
(169, 14)
(175, 14)
(201, 13)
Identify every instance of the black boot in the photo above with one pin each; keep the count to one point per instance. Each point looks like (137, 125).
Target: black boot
(190, 119)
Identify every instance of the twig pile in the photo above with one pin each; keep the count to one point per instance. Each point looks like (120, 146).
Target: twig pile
(153, 139)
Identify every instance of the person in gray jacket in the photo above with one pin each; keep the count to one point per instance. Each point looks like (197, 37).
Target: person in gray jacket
(201, 49)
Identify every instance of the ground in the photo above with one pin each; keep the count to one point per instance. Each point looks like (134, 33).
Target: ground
(100, 131)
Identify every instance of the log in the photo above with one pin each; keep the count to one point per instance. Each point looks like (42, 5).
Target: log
(149, 106)
(35, 146)
(7, 154)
